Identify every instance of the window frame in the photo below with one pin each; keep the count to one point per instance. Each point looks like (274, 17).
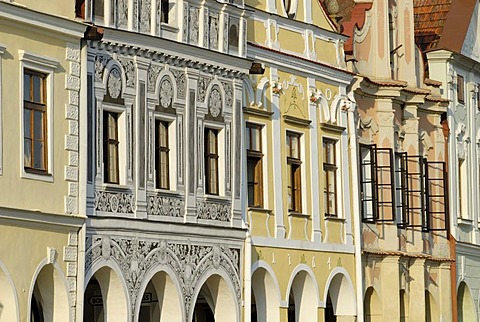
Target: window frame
(162, 149)
(330, 167)
(107, 142)
(460, 89)
(46, 66)
(211, 156)
(255, 156)
(294, 172)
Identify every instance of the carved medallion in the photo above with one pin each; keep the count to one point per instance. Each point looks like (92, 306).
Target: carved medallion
(215, 102)
(166, 93)
(114, 83)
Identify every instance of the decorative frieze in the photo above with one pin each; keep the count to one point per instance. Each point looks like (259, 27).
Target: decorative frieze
(130, 73)
(114, 202)
(202, 86)
(100, 62)
(216, 211)
(166, 206)
(228, 89)
(189, 262)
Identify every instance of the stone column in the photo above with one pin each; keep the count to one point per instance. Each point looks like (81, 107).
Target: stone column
(390, 281)
(417, 290)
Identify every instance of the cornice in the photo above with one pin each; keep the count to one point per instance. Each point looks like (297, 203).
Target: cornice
(257, 112)
(299, 65)
(176, 53)
(40, 20)
(37, 218)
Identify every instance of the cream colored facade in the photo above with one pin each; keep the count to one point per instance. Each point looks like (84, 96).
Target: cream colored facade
(39, 213)
(402, 172)
(460, 73)
(300, 263)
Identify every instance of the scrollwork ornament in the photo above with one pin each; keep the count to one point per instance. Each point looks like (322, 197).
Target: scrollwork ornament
(215, 102)
(129, 69)
(100, 62)
(114, 83)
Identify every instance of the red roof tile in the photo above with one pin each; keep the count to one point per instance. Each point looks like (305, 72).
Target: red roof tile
(430, 18)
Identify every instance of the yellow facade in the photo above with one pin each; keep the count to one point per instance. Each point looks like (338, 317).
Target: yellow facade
(39, 219)
(302, 262)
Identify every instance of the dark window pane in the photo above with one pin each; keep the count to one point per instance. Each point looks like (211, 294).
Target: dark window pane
(38, 156)
(38, 125)
(37, 89)
(27, 153)
(26, 87)
(26, 123)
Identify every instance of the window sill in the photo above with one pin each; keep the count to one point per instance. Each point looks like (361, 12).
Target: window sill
(334, 218)
(216, 198)
(46, 177)
(465, 221)
(166, 27)
(166, 192)
(259, 209)
(116, 187)
(297, 214)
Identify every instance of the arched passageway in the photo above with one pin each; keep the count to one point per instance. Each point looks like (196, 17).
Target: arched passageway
(404, 306)
(265, 297)
(372, 306)
(303, 299)
(465, 305)
(8, 302)
(49, 297)
(105, 298)
(215, 302)
(340, 301)
(160, 301)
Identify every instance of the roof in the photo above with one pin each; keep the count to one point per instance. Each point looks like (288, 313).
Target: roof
(429, 21)
(442, 23)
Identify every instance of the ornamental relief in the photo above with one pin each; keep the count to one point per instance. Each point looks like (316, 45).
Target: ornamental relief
(166, 92)
(152, 77)
(193, 25)
(181, 83)
(144, 16)
(122, 13)
(213, 32)
(189, 262)
(121, 203)
(215, 211)
(101, 61)
(165, 206)
(114, 83)
(215, 102)
(228, 89)
(202, 86)
(130, 73)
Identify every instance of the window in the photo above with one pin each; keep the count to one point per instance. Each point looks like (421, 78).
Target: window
(294, 191)
(161, 155)
(211, 161)
(462, 188)
(401, 188)
(460, 89)
(254, 165)
(35, 122)
(165, 8)
(330, 180)
(110, 147)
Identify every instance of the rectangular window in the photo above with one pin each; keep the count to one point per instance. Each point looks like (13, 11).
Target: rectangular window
(110, 147)
(211, 161)
(165, 8)
(35, 122)
(294, 191)
(161, 155)
(460, 89)
(254, 165)
(401, 188)
(330, 178)
(462, 189)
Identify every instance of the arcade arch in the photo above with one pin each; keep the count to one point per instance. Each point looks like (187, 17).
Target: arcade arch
(267, 297)
(8, 299)
(372, 306)
(465, 304)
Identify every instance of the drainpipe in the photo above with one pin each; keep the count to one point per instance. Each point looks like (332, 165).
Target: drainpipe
(352, 132)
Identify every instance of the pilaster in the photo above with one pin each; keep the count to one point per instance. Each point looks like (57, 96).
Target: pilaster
(417, 290)
(391, 288)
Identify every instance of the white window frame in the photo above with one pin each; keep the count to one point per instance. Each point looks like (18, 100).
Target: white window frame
(45, 65)
(172, 146)
(220, 127)
(122, 144)
(303, 168)
(2, 51)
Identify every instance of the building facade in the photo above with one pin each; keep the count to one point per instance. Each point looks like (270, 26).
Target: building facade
(453, 59)
(164, 238)
(299, 262)
(402, 172)
(39, 214)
